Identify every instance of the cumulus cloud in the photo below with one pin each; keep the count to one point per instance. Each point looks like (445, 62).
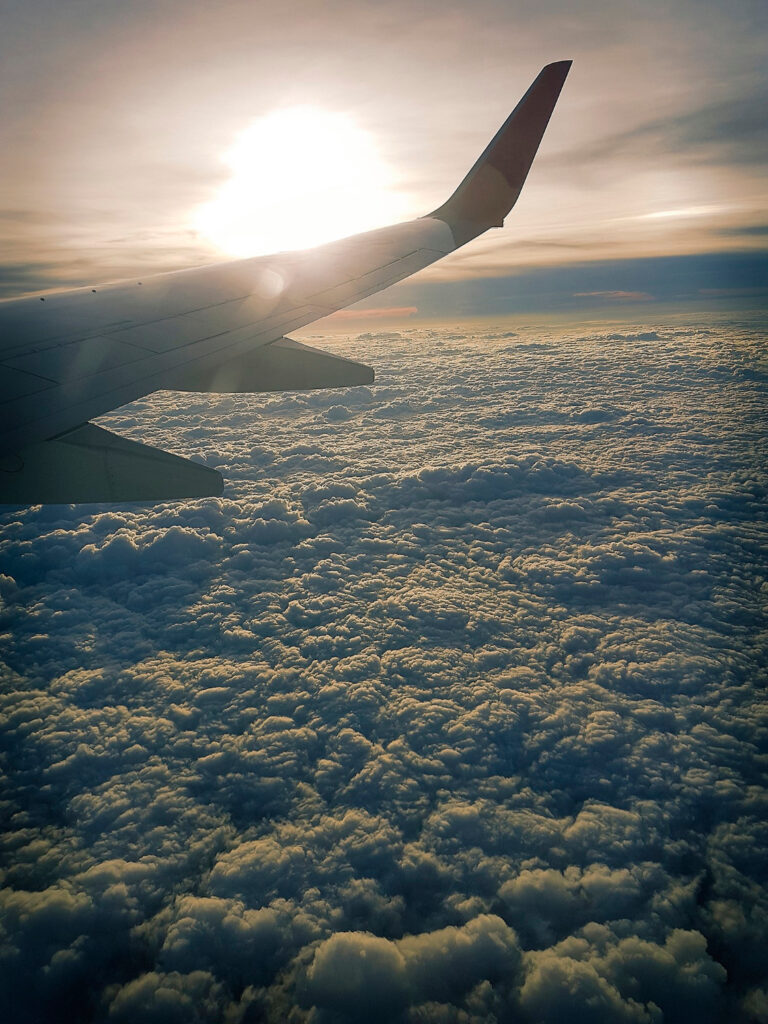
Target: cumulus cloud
(448, 711)
(364, 976)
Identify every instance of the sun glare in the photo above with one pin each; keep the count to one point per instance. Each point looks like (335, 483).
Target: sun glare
(299, 177)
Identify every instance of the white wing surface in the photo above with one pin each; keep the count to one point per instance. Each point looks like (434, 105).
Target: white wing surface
(68, 357)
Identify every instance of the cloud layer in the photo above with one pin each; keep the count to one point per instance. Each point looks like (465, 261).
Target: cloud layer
(448, 711)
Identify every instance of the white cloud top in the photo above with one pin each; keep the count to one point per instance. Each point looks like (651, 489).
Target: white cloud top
(448, 711)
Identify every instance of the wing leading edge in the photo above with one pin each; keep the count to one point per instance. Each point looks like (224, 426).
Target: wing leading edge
(77, 355)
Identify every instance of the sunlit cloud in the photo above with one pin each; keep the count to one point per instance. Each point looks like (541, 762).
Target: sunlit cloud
(379, 313)
(685, 211)
(615, 296)
(445, 710)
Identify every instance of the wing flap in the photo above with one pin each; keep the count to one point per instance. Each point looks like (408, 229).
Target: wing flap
(285, 365)
(93, 464)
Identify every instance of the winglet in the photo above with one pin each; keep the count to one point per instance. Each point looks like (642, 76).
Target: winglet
(491, 188)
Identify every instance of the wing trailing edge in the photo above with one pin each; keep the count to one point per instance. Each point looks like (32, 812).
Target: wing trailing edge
(93, 464)
(285, 365)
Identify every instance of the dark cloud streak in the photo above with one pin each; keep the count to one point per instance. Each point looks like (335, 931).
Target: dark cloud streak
(726, 132)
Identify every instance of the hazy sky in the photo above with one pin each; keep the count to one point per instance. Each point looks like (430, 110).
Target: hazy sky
(117, 117)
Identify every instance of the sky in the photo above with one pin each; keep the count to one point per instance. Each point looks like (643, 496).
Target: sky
(119, 120)
(450, 711)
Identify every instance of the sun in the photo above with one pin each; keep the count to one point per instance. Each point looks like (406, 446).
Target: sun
(299, 177)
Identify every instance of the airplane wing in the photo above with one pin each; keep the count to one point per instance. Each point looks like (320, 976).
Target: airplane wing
(68, 357)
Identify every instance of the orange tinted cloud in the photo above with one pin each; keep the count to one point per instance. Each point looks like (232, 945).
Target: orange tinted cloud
(386, 313)
(615, 296)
